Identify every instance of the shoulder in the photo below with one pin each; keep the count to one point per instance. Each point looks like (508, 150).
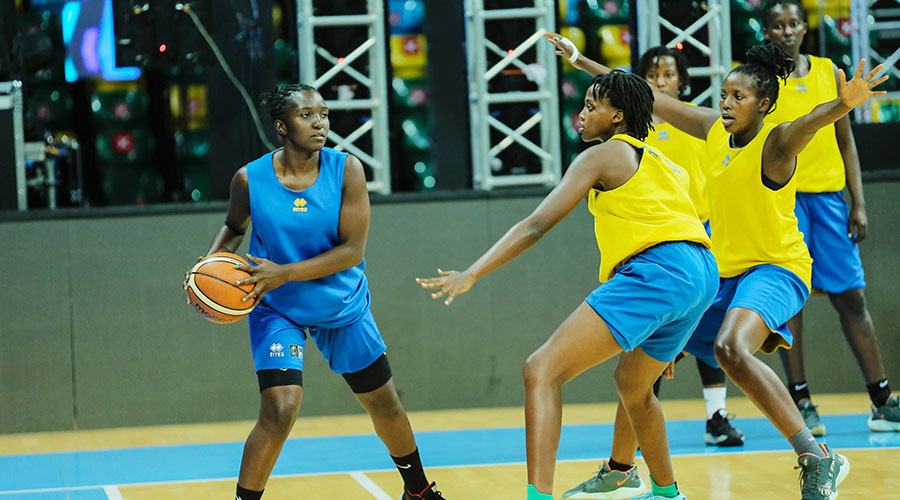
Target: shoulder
(240, 177)
(354, 173)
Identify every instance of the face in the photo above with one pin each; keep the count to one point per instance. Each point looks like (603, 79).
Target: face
(740, 106)
(663, 76)
(306, 124)
(598, 118)
(786, 27)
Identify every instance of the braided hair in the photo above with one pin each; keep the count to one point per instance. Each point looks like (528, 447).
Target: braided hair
(631, 94)
(275, 103)
(766, 64)
(770, 7)
(651, 59)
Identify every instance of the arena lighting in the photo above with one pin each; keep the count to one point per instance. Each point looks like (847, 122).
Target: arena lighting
(162, 48)
(679, 46)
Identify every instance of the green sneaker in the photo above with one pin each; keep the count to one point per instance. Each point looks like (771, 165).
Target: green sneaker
(886, 418)
(820, 477)
(811, 417)
(609, 484)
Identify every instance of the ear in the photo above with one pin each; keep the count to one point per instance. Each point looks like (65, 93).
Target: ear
(619, 117)
(280, 127)
(764, 105)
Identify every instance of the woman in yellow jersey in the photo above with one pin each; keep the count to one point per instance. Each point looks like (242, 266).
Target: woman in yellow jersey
(657, 274)
(830, 230)
(763, 262)
(666, 70)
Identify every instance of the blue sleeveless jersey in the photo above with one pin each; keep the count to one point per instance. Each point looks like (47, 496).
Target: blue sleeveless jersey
(291, 226)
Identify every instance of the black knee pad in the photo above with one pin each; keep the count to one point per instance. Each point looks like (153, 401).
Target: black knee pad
(370, 378)
(275, 378)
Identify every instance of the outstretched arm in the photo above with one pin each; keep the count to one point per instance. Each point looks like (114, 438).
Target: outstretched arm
(578, 180)
(693, 120)
(858, 223)
(789, 139)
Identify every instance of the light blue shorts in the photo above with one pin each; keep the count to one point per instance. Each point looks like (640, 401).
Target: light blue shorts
(657, 297)
(773, 292)
(823, 219)
(278, 343)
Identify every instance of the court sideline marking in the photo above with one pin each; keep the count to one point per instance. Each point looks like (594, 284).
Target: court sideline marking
(370, 486)
(113, 493)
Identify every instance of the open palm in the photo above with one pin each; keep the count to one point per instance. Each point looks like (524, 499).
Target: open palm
(859, 89)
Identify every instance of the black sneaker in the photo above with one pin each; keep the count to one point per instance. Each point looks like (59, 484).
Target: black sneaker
(820, 476)
(429, 493)
(720, 432)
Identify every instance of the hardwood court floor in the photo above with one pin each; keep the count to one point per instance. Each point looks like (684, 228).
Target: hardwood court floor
(472, 454)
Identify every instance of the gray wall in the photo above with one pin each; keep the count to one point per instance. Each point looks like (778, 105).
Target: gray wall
(94, 331)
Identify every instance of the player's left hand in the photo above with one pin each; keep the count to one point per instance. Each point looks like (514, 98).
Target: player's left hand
(858, 224)
(859, 89)
(449, 283)
(266, 276)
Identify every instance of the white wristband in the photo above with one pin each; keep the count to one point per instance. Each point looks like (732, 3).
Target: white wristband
(571, 46)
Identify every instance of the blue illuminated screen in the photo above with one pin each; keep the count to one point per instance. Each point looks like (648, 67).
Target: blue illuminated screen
(87, 27)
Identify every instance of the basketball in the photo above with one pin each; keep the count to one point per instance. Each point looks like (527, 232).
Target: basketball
(212, 291)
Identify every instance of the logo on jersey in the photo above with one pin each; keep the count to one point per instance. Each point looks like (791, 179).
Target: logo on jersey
(296, 351)
(726, 161)
(802, 88)
(663, 135)
(300, 205)
(275, 350)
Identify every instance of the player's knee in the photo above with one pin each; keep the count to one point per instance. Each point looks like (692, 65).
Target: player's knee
(385, 404)
(728, 353)
(278, 414)
(533, 370)
(851, 303)
(631, 390)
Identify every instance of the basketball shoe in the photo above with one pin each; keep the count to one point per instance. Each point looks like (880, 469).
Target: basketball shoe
(820, 476)
(650, 496)
(886, 418)
(429, 493)
(811, 417)
(720, 432)
(609, 484)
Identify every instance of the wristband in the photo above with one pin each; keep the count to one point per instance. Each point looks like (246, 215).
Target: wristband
(568, 43)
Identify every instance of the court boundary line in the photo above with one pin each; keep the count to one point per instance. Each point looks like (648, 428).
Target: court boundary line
(370, 486)
(315, 474)
(112, 492)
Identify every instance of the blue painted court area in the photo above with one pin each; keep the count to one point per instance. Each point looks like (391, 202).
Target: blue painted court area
(24, 476)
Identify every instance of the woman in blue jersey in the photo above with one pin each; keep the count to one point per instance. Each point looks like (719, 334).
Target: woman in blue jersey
(656, 271)
(309, 209)
(830, 229)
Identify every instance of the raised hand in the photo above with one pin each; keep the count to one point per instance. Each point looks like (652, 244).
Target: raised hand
(564, 46)
(266, 276)
(449, 283)
(859, 89)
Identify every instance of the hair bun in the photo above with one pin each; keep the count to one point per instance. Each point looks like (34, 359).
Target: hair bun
(773, 58)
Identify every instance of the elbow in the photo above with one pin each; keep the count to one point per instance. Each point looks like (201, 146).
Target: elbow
(535, 229)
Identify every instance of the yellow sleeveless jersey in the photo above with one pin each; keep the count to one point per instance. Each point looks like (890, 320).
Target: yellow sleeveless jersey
(685, 151)
(820, 166)
(752, 224)
(652, 207)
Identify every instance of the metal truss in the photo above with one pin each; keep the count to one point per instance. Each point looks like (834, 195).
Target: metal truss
(862, 24)
(717, 22)
(378, 160)
(545, 99)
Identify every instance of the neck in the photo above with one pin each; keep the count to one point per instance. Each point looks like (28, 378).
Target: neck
(297, 159)
(741, 139)
(801, 65)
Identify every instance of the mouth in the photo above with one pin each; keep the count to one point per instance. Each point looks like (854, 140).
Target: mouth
(318, 137)
(727, 120)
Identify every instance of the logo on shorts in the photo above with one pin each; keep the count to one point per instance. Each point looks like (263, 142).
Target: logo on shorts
(296, 351)
(275, 350)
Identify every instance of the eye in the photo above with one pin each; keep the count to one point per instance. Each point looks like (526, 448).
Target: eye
(738, 97)
(304, 114)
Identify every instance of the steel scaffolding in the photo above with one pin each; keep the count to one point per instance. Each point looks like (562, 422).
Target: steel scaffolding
(716, 21)
(545, 98)
(378, 160)
(863, 23)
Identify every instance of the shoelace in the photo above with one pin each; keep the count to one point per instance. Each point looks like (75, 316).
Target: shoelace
(810, 476)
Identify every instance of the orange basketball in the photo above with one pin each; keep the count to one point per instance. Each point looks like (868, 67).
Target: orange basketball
(212, 291)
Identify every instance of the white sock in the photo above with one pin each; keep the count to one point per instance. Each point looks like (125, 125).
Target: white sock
(715, 400)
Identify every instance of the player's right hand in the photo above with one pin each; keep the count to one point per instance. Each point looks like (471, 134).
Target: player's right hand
(449, 283)
(563, 48)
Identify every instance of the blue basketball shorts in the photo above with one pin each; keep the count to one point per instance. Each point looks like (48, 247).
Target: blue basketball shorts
(773, 292)
(279, 343)
(823, 218)
(656, 298)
